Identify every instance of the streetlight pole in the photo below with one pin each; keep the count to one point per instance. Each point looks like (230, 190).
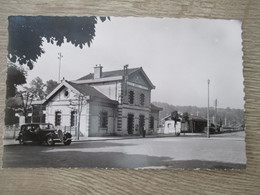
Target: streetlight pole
(79, 115)
(208, 111)
(81, 103)
(59, 57)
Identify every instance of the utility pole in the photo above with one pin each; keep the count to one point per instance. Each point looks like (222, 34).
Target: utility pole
(216, 112)
(79, 115)
(59, 57)
(81, 103)
(208, 111)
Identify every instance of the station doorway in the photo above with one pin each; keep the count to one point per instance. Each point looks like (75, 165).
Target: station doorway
(130, 124)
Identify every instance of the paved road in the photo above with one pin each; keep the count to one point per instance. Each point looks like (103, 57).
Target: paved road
(220, 151)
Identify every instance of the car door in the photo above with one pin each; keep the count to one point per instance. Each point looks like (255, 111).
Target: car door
(34, 132)
(26, 133)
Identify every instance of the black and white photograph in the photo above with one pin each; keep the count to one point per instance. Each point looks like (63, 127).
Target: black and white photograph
(124, 92)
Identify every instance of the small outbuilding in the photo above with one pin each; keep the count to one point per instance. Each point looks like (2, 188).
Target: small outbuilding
(170, 126)
(194, 124)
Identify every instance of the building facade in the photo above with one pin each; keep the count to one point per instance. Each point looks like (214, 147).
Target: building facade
(104, 103)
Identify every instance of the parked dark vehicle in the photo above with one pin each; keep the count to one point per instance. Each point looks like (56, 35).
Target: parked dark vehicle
(43, 133)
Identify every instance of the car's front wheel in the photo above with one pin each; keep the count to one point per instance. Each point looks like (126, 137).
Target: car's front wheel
(49, 141)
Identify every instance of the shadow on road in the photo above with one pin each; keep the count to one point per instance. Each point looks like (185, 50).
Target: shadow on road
(17, 156)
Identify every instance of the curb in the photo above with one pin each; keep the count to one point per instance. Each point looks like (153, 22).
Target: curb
(132, 137)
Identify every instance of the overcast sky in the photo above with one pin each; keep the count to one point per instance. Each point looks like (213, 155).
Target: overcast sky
(178, 55)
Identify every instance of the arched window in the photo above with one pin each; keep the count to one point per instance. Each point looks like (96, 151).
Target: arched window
(57, 118)
(142, 99)
(131, 97)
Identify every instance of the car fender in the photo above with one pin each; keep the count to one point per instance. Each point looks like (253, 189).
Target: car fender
(19, 136)
(49, 134)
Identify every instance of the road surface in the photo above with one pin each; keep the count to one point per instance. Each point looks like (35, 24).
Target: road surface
(219, 151)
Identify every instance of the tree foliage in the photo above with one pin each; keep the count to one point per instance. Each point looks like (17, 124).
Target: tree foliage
(175, 116)
(185, 116)
(15, 76)
(20, 103)
(26, 35)
(37, 89)
(50, 85)
(230, 115)
(26, 98)
(13, 103)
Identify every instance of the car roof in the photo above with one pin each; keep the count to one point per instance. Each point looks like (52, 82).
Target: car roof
(37, 124)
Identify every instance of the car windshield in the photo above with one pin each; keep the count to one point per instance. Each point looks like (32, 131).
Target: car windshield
(46, 126)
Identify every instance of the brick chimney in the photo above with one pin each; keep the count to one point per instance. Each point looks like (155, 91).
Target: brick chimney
(125, 70)
(98, 71)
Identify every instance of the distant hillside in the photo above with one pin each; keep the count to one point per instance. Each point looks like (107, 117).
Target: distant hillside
(232, 117)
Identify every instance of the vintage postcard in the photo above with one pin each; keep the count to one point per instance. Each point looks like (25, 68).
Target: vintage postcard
(111, 92)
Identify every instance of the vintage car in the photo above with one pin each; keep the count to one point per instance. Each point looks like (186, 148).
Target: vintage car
(42, 133)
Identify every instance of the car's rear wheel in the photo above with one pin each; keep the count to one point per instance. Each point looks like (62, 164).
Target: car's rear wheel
(68, 142)
(49, 141)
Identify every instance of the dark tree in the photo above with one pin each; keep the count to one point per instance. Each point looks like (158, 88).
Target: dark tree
(50, 85)
(175, 116)
(15, 76)
(185, 116)
(26, 35)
